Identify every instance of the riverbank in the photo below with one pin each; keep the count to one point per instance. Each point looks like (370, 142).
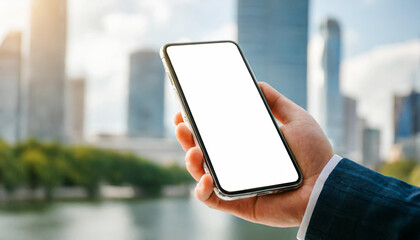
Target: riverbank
(79, 193)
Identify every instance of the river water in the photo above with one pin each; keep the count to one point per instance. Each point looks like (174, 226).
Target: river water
(159, 218)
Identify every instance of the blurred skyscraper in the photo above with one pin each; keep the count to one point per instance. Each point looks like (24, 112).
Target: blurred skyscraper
(47, 54)
(146, 95)
(76, 109)
(332, 115)
(273, 35)
(407, 124)
(359, 130)
(406, 116)
(371, 144)
(351, 128)
(10, 81)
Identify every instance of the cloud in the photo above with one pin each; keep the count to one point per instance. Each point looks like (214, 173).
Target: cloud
(13, 16)
(350, 39)
(373, 78)
(228, 31)
(107, 105)
(315, 74)
(125, 25)
(97, 57)
(159, 10)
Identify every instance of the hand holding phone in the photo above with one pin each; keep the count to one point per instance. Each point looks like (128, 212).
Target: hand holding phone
(226, 125)
(309, 145)
(219, 96)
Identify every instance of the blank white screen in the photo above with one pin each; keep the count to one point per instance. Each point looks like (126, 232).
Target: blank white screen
(241, 140)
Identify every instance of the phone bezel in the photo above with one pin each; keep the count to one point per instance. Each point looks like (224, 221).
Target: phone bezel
(260, 190)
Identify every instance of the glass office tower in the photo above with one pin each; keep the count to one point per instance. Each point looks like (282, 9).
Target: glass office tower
(146, 95)
(331, 98)
(273, 35)
(47, 70)
(10, 81)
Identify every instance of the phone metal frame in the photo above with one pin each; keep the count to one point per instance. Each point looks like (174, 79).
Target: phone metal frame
(189, 120)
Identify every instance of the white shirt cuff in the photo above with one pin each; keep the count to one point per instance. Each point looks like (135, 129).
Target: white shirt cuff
(319, 184)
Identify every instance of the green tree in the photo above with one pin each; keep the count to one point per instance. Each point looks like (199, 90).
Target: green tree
(12, 172)
(415, 176)
(147, 176)
(113, 166)
(54, 171)
(44, 164)
(86, 168)
(177, 175)
(35, 163)
(398, 169)
(50, 165)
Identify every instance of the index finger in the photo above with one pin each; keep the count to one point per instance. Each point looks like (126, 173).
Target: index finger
(178, 118)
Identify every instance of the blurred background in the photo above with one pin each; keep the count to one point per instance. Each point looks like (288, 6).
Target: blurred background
(88, 148)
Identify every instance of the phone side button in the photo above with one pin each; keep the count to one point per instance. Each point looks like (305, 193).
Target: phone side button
(206, 170)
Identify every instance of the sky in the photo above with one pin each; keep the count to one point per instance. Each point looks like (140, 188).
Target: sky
(380, 56)
(369, 23)
(102, 34)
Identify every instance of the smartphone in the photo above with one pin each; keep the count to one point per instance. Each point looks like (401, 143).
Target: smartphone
(223, 106)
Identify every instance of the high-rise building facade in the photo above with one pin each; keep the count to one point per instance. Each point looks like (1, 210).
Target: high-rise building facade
(76, 109)
(406, 116)
(273, 35)
(350, 125)
(371, 145)
(361, 125)
(407, 124)
(10, 82)
(331, 97)
(146, 95)
(46, 87)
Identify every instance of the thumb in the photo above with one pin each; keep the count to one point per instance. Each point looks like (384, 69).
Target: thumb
(283, 108)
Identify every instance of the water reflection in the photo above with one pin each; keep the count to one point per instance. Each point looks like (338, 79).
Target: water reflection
(163, 218)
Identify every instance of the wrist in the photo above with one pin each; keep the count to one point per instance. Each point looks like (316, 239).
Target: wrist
(316, 184)
(305, 195)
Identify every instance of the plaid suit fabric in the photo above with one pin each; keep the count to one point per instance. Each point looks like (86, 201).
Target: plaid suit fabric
(358, 203)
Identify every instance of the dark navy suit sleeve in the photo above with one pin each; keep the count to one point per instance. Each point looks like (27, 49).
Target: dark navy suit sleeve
(358, 203)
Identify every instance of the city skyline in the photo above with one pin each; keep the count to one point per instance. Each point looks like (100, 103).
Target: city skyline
(93, 37)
